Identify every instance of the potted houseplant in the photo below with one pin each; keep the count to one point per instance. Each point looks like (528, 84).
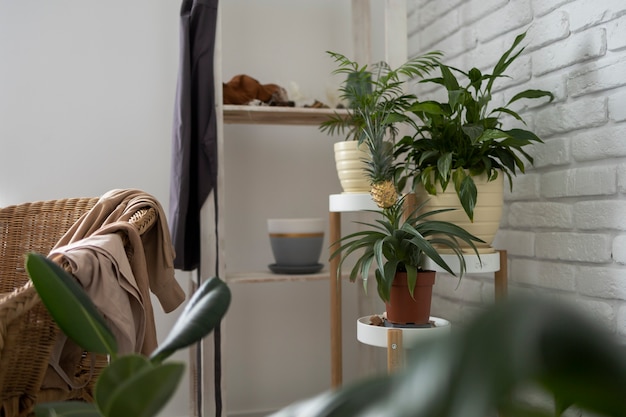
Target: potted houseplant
(400, 239)
(131, 384)
(372, 87)
(461, 142)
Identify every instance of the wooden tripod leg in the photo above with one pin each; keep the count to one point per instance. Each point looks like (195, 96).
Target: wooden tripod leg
(335, 303)
(395, 351)
(501, 277)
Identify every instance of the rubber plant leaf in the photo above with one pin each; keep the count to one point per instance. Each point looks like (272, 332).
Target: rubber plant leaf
(70, 306)
(472, 372)
(203, 312)
(146, 392)
(113, 377)
(67, 409)
(350, 400)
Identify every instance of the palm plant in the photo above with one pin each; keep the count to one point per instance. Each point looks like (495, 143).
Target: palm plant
(378, 89)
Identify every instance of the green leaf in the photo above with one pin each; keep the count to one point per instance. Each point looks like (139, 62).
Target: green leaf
(509, 112)
(456, 98)
(69, 306)
(532, 94)
(115, 375)
(505, 60)
(411, 279)
(203, 312)
(475, 77)
(382, 285)
(449, 80)
(473, 131)
(444, 164)
(493, 134)
(429, 107)
(427, 181)
(468, 195)
(522, 134)
(350, 400)
(146, 392)
(67, 409)
(457, 178)
(478, 370)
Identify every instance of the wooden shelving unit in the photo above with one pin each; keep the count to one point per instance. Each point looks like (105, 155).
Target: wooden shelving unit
(395, 47)
(280, 116)
(274, 115)
(258, 277)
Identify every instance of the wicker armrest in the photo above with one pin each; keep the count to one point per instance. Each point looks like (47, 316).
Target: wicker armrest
(27, 332)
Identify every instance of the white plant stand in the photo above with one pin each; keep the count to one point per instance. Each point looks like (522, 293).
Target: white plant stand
(395, 338)
(495, 263)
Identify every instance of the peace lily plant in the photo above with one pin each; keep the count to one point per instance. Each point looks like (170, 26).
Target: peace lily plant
(131, 385)
(462, 138)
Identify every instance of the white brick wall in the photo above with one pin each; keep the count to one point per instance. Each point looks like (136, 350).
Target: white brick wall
(564, 223)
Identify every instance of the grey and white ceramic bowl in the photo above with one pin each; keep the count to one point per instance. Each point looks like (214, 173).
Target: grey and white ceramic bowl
(296, 242)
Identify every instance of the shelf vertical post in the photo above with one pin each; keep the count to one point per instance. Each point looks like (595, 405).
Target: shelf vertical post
(361, 31)
(501, 276)
(395, 350)
(336, 366)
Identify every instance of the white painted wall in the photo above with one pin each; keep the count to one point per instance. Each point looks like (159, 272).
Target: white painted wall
(86, 103)
(563, 224)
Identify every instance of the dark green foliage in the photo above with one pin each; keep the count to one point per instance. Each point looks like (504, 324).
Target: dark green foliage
(463, 137)
(398, 244)
(474, 371)
(376, 91)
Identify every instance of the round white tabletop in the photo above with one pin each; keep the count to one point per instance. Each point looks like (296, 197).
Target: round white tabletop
(370, 334)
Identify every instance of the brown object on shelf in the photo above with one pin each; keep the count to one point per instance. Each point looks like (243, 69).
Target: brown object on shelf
(317, 105)
(243, 89)
(376, 320)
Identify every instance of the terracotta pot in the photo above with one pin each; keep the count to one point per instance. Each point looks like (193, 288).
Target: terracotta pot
(402, 309)
(349, 160)
(487, 213)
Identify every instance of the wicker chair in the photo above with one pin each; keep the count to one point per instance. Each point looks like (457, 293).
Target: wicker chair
(27, 332)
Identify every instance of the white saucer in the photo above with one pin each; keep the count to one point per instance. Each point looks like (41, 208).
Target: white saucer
(291, 269)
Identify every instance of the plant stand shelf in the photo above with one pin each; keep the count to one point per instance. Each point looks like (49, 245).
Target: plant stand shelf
(394, 338)
(495, 263)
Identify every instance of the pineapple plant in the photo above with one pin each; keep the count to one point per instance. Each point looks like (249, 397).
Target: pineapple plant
(380, 167)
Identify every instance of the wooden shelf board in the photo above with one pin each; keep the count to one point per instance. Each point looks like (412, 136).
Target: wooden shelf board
(270, 115)
(262, 276)
(256, 277)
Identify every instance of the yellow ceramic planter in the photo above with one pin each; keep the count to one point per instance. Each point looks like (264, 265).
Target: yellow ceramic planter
(349, 160)
(487, 213)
